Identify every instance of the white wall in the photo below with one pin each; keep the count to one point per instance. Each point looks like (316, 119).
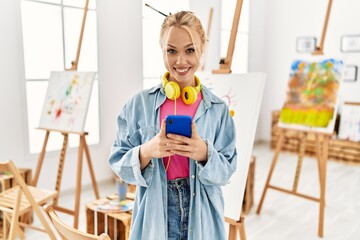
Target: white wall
(274, 27)
(202, 10)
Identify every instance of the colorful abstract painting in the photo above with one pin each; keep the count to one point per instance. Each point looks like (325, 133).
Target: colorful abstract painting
(66, 102)
(312, 93)
(350, 122)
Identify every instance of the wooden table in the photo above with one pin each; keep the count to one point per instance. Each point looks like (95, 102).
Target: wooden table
(116, 225)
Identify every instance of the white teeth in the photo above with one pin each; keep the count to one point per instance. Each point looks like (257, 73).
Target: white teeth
(182, 70)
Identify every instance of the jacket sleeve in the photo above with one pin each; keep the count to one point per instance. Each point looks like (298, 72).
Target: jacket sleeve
(124, 155)
(222, 155)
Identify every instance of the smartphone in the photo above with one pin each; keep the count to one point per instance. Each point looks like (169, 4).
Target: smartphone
(179, 124)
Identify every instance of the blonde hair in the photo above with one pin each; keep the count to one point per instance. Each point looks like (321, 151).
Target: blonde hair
(186, 20)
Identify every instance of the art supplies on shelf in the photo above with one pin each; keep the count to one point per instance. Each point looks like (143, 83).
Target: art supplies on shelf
(114, 205)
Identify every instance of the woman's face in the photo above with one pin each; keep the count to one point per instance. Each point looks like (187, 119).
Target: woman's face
(180, 57)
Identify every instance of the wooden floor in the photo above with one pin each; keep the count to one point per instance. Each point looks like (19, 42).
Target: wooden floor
(283, 216)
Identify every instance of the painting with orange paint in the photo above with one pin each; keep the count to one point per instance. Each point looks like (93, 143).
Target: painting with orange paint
(312, 93)
(66, 102)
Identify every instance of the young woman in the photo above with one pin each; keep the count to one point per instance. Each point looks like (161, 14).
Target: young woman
(178, 178)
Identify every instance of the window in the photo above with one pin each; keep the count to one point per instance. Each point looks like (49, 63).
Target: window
(153, 64)
(240, 57)
(51, 31)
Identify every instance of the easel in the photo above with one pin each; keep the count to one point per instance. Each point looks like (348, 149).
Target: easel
(322, 148)
(225, 63)
(320, 49)
(83, 147)
(322, 145)
(225, 68)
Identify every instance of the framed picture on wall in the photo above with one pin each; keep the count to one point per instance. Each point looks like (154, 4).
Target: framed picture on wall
(350, 43)
(305, 44)
(350, 122)
(350, 73)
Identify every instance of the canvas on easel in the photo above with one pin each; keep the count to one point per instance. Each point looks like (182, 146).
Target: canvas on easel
(65, 108)
(243, 95)
(310, 109)
(66, 102)
(312, 95)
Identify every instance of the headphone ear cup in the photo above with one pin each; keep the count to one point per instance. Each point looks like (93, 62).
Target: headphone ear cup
(189, 95)
(172, 90)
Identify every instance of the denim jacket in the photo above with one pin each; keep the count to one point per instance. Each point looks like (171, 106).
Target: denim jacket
(139, 122)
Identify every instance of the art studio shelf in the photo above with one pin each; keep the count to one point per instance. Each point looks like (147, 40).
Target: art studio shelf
(342, 150)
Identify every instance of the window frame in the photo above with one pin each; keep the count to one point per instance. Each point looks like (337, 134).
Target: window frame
(73, 142)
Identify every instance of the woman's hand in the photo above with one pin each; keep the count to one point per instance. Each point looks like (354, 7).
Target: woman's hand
(194, 147)
(157, 147)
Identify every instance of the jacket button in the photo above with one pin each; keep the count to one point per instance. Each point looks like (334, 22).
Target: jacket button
(192, 176)
(193, 194)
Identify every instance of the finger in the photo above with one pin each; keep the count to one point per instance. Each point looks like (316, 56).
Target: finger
(181, 153)
(193, 130)
(163, 128)
(177, 139)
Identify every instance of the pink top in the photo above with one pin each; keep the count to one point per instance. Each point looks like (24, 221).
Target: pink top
(179, 165)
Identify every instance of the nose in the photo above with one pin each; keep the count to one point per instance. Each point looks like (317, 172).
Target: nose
(181, 59)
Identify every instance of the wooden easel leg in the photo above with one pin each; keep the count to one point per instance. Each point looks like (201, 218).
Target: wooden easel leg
(91, 170)
(241, 228)
(41, 159)
(274, 161)
(323, 163)
(78, 182)
(61, 167)
(235, 227)
(318, 155)
(300, 160)
(232, 232)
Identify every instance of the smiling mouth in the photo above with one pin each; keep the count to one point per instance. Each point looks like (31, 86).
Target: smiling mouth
(182, 71)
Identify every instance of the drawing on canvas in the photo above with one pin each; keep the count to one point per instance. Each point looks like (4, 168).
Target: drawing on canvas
(350, 122)
(66, 102)
(311, 98)
(243, 94)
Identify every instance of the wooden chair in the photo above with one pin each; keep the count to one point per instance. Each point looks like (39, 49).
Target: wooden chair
(13, 204)
(67, 232)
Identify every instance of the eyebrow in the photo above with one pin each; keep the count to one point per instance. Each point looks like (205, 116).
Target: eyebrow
(189, 45)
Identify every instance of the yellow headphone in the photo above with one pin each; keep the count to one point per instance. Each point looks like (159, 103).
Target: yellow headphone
(172, 90)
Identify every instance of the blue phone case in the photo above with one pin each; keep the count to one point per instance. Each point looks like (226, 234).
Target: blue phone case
(179, 124)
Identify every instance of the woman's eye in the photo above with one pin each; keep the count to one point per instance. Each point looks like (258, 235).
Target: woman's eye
(190, 50)
(171, 51)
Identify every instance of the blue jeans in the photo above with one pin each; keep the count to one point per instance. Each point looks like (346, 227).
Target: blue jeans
(178, 208)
